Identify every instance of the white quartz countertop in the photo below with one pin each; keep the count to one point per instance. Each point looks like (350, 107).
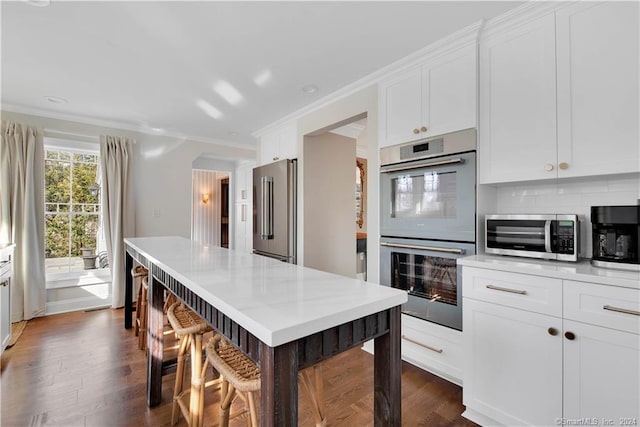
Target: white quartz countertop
(275, 301)
(581, 271)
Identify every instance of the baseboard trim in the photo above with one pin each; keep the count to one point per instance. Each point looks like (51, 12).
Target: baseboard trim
(76, 304)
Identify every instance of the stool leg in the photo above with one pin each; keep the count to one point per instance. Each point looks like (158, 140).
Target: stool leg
(226, 398)
(177, 388)
(253, 413)
(196, 366)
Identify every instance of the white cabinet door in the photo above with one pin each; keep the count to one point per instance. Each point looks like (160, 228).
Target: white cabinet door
(288, 142)
(517, 129)
(281, 143)
(449, 93)
(598, 87)
(269, 147)
(513, 364)
(601, 374)
(401, 108)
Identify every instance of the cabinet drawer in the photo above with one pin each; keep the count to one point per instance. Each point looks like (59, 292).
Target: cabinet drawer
(600, 305)
(533, 293)
(432, 347)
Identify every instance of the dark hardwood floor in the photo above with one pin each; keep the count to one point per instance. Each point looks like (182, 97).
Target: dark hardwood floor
(84, 369)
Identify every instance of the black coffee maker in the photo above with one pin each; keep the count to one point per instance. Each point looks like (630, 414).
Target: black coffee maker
(616, 235)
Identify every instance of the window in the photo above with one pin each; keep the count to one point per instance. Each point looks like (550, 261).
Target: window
(72, 213)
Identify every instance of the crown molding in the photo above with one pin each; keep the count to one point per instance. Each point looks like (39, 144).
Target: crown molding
(13, 108)
(522, 14)
(465, 37)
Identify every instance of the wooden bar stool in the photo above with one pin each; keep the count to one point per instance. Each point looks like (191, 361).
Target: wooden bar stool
(140, 278)
(241, 377)
(189, 327)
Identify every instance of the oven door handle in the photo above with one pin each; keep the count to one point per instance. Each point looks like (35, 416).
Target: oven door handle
(423, 165)
(424, 248)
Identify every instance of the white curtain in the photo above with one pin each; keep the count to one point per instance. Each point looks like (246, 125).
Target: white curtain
(117, 207)
(22, 216)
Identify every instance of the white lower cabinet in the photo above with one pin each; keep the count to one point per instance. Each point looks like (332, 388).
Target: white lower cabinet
(579, 361)
(513, 365)
(432, 347)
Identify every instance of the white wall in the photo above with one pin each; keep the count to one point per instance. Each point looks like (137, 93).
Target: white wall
(363, 101)
(162, 172)
(329, 182)
(572, 197)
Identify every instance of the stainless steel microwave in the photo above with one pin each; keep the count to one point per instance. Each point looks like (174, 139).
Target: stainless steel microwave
(555, 237)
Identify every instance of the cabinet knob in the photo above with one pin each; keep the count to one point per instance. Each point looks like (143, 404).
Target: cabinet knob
(570, 336)
(548, 167)
(276, 158)
(552, 331)
(4, 283)
(416, 131)
(423, 129)
(563, 165)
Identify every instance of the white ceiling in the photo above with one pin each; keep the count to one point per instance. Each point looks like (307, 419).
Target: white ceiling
(146, 65)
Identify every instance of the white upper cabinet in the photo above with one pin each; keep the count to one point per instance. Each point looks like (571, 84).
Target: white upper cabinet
(436, 97)
(598, 87)
(281, 143)
(559, 95)
(517, 132)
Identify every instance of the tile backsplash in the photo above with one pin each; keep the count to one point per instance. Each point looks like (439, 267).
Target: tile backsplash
(570, 197)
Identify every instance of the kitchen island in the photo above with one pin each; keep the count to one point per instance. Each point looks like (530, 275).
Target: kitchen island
(284, 317)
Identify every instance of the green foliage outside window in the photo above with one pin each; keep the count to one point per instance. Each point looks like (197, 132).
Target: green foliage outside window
(71, 212)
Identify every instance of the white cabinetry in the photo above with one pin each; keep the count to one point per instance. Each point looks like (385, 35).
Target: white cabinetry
(6, 254)
(243, 220)
(539, 349)
(517, 132)
(436, 97)
(280, 143)
(598, 87)
(559, 95)
(432, 347)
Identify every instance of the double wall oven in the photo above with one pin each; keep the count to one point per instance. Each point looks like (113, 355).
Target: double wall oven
(428, 221)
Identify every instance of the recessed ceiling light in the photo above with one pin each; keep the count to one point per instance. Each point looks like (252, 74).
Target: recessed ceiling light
(262, 78)
(56, 99)
(310, 89)
(233, 133)
(158, 130)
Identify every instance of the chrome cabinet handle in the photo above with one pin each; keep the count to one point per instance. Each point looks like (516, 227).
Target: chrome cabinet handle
(621, 310)
(428, 347)
(423, 248)
(423, 165)
(512, 291)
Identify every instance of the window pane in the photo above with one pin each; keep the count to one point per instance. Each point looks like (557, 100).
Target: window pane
(57, 176)
(84, 230)
(83, 176)
(57, 241)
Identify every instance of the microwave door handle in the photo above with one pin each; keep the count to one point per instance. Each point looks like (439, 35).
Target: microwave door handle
(547, 236)
(424, 248)
(423, 165)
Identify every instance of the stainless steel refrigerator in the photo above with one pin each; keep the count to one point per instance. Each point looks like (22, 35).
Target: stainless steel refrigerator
(274, 210)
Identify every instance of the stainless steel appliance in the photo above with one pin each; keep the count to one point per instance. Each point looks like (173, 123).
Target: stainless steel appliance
(274, 210)
(428, 188)
(428, 220)
(554, 237)
(616, 236)
(427, 270)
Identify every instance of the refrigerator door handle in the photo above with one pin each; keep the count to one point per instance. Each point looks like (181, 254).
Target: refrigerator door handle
(266, 220)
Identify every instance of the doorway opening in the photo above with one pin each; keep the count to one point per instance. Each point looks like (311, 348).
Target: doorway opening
(335, 162)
